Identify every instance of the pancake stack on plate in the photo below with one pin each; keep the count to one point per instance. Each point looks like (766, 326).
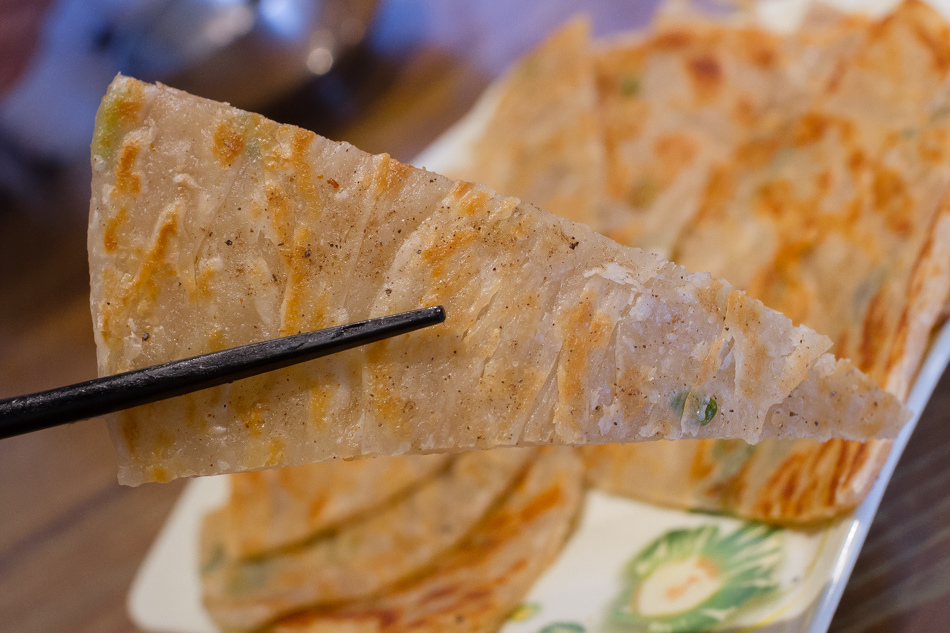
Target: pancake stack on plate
(809, 169)
(457, 548)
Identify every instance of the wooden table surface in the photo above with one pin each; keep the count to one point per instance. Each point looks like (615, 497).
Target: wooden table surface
(71, 538)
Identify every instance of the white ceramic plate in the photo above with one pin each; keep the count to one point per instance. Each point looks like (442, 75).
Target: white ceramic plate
(591, 586)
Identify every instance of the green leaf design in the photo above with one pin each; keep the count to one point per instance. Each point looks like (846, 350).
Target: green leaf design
(690, 580)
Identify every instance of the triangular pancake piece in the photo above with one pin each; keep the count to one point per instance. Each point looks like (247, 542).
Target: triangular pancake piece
(364, 557)
(541, 138)
(212, 227)
(673, 105)
(473, 588)
(840, 218)
(276, 508)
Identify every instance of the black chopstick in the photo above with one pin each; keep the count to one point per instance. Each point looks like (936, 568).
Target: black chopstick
(23, 414)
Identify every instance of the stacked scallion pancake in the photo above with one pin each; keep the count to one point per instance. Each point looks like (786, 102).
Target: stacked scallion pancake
(730, 149)
(809, 169)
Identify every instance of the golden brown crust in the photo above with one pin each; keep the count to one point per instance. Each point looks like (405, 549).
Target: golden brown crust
(559, 167)
(474, 587)
(275, 509)
(820, 188)
(364, 556)
(297, 233)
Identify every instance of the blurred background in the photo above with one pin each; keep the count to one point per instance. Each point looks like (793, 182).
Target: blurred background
(386, 76)
(317, 63)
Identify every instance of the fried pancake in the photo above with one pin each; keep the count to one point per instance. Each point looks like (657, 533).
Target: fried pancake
(362, 557)
(560, 165)
(839, 218)
(475, 587)
(674, 104)
(809, 169)
(212, 227)
(274, 509)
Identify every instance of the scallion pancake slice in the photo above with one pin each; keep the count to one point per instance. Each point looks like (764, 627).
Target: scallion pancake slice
(211, 227)
(363, 557)
(276, 508)
(475, 587)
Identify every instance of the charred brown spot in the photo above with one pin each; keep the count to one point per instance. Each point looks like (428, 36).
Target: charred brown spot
(228, 142)
(744, 111)
(438, 255)
(703, 463)
(168, 229)
(384, 396)
(809, 128)
(673, 39)
(127, 181)
(759, 48)
(861, 456)
(794, 473)
(278, 210)
(857, 161)
(387, 617)
(675, 152)
(875, 323)
(130, 430)
(705, 74)
(110, 235)
(389, 173)
(780, 285)
(476, 595)
(318, 404)
(932, 145)
(841, 453)
(145, 287)
(778, 492)
(888, 187)
(774, 198)
(440, 592)
(469, 198)
(585, 330)
(303, 179)
(128, 106)
(720, 189)
(834, 80)
(892, 199)
(540, 504)
(758, 152)
(935, 43)
(159, 474)
(923, 272)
